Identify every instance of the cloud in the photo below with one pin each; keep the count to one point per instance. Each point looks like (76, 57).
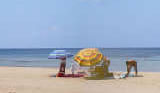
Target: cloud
(94, 1)
(53, 28)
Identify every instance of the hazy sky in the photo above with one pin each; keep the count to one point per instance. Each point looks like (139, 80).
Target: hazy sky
(79, 23)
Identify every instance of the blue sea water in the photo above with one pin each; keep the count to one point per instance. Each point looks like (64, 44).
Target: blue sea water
(148, 58)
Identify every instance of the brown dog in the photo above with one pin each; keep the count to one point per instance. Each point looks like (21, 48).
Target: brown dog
(130, 64)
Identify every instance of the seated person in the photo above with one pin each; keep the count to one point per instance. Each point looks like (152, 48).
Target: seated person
(130, 64)
(101, 69)
(106, 64)
(74, 68)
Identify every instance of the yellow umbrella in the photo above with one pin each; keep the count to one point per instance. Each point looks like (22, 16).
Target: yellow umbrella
(88, 57)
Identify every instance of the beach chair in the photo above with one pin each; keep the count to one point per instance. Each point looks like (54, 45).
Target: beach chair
(99, 72)
(96, 73)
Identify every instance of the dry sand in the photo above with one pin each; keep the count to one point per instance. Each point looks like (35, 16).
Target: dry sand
(38, 80)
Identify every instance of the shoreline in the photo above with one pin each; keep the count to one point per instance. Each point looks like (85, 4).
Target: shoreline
(47, 67)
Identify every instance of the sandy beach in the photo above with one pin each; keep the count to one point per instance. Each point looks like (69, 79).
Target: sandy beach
(38, 80)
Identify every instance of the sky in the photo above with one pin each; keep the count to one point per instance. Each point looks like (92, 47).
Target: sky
(79, 23)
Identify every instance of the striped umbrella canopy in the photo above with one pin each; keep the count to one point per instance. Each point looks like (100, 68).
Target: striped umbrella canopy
(88, 57)
(58, 54)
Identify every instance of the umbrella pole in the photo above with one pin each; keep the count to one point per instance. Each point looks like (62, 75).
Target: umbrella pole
(91, 69)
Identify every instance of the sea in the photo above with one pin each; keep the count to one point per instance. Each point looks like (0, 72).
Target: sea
(148, 59)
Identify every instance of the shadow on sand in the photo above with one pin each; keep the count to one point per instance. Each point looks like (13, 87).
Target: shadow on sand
(110, 78)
